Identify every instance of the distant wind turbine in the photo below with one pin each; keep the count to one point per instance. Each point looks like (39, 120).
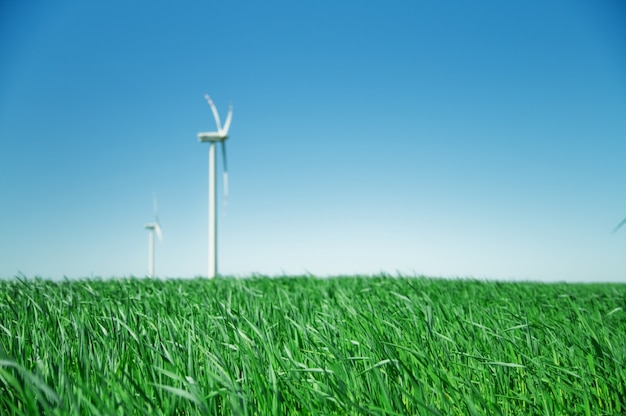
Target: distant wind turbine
(153, 227)
(618, 226)
(213, 137)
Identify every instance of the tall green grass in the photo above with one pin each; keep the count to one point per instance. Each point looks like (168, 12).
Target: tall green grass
(351, 345)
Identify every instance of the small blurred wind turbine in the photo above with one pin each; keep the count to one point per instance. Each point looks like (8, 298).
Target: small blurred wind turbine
(213, 137)
(618, 226)
(153, 227)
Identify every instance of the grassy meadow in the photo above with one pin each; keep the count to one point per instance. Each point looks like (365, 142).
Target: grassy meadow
(339, 346)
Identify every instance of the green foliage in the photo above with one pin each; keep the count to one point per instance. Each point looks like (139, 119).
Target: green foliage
(286, 346)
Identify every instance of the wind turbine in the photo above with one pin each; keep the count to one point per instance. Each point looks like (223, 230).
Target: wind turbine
(618, 226)
(213, 137)
(153, 227)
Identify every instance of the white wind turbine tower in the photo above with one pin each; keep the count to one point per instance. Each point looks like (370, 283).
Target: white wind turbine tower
(153, 227)
(213, 137)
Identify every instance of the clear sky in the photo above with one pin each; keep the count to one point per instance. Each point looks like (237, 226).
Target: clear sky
(453, 138)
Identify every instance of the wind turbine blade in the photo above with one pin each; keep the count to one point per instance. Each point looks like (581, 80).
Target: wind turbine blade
(159, 233)
(155, 205)
(229, 117)
(619, 225)
(225, 172)
(225, 188)
(217, 116)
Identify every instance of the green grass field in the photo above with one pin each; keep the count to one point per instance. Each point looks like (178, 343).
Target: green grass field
(350, 345)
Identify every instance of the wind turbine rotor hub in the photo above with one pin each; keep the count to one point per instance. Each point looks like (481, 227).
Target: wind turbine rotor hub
(211, 137)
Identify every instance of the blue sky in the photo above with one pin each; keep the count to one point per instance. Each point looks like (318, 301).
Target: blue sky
(454, 139)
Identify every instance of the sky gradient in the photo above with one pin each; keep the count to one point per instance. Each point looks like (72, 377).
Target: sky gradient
(456, 139)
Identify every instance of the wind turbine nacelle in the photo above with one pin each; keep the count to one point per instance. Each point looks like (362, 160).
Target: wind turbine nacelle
(213, 136)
